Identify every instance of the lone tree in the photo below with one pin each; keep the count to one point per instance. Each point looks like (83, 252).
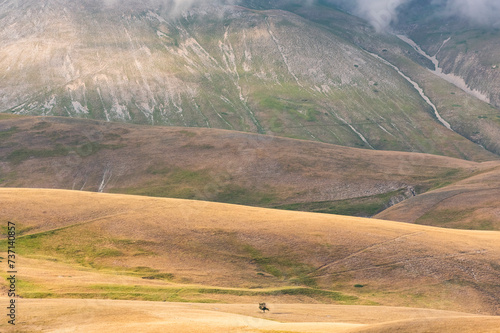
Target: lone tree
(263, 307)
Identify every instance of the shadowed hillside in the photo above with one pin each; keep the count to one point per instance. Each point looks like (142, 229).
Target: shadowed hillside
(217, 165)
(472, 203)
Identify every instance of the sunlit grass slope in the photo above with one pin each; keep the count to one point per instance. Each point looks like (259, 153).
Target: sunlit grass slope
(190, 250)
(131, 316)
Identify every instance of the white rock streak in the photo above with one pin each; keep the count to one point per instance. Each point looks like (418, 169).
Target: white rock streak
(280, 49)
(458, 81)
(229, 59)
(106, 177)
(353, 129)
(148, 105)
(419, 89)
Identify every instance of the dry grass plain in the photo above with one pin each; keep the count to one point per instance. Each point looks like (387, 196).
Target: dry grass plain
(212, 259)
(68, 315)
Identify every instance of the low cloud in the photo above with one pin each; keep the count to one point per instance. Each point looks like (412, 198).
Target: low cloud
(380, 13)
(484, 12)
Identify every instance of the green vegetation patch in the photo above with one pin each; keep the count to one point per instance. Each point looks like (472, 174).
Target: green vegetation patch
(4, 116)
(362, 207)
(69, 244)
(448, 177)
(6, 134)
(189, 134)
(20, 229)
(83, 150)
(296, 273)
(312, 292)
(20, 155)
(175, 182)
(139, 292)
(301, 110)
(454, 218)
(173, 294)
(79, 245)
(295, 291)
(198, 146)
(236, 194)
(29, 289)
(152, 274)
(115, 292)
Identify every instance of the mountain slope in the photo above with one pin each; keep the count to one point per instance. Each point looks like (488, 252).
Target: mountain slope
(202, 250)
(467, 48)
(224, 67)
(469, 109)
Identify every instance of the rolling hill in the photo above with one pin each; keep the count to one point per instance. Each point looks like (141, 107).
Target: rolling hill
(93, 245)
(469, 204)
(222, 166)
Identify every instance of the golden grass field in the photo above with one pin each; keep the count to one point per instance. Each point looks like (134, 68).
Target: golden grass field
(86, 316)
(98, 260)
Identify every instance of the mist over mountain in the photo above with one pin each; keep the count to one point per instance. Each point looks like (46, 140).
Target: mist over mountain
(380, 13)
(383, 13)
(288, 68)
